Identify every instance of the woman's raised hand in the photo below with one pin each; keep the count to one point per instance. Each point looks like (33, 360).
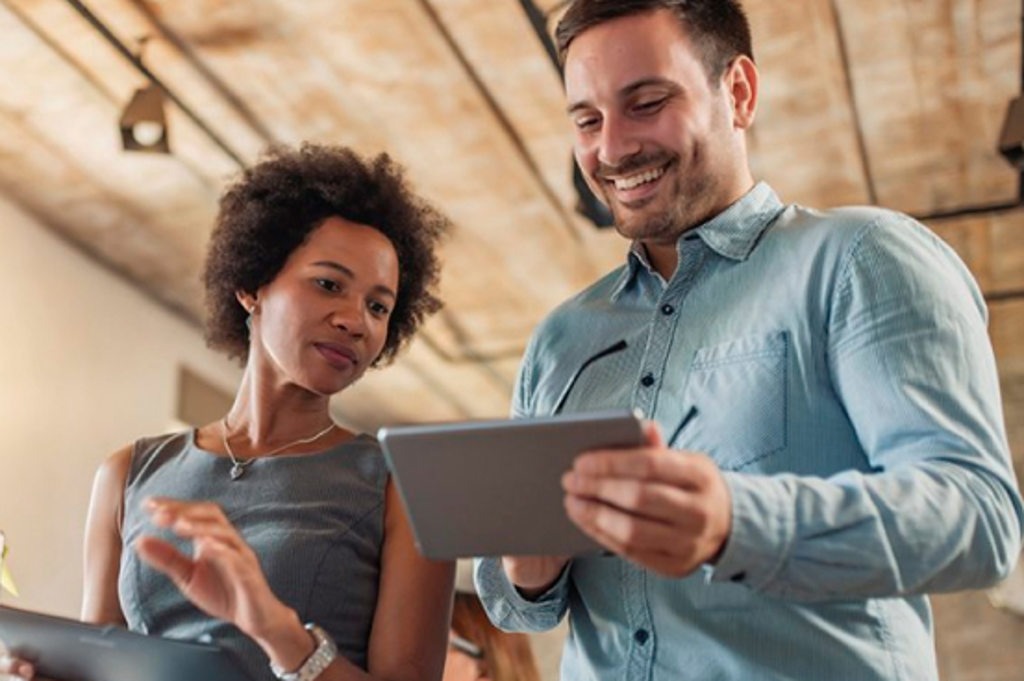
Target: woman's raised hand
(223, 577)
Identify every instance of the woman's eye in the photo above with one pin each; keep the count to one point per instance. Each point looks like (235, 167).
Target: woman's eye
(328, 285)
(379, 309)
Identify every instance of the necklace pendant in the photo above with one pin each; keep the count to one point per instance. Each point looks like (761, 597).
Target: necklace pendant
(237, 471)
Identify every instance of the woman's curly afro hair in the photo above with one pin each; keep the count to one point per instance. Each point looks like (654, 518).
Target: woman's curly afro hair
(271, 209)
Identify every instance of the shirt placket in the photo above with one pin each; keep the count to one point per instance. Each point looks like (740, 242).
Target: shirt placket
(643, 637)
(663, 326)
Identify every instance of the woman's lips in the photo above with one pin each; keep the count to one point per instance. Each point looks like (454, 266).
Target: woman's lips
(337, 356)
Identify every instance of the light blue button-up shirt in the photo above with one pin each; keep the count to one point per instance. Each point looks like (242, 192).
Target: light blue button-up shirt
(845, 383)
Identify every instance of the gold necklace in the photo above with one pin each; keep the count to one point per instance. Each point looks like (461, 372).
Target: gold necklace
(238, 466)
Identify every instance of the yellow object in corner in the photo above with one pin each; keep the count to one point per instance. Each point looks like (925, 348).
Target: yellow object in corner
(6, 581)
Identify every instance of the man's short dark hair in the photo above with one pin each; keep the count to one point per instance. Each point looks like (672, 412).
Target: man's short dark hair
(719, 28)
(271, 210)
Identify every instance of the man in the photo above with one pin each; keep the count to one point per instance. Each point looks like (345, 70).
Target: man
(837, 447)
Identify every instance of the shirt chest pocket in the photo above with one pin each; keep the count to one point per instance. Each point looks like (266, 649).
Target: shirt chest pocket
(739, 388)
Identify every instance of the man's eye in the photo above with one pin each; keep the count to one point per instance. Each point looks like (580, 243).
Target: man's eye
(328, 285)
(587, 123)
(648, 106)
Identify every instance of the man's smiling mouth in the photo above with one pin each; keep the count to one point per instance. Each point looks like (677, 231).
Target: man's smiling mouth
(637, 179)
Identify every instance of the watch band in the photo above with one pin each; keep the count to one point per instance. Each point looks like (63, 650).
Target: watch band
(319, 660)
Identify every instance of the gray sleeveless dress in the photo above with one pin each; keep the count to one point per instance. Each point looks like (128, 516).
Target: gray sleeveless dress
(316, 521)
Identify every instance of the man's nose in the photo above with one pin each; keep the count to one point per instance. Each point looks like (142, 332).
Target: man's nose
(616, 141)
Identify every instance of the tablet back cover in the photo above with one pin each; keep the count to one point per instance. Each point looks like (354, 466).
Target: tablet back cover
(491, 488)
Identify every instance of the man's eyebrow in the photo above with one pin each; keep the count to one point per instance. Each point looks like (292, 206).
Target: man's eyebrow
(573, 108)
(628, 90)
(650, 82)
(352, 275)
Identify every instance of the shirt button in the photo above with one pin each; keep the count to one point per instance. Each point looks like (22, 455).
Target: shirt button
(647, 381)
(667, 309)
(641, 636)
(738, 577)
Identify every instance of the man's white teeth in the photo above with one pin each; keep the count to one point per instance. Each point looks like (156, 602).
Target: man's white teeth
(637, 180)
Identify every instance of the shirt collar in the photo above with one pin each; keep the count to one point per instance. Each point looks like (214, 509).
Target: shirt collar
(733, 233)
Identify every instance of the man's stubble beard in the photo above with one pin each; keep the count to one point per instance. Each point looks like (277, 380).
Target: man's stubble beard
(685, 211)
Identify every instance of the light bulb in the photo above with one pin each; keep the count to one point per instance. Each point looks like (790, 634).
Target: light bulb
(147, 133)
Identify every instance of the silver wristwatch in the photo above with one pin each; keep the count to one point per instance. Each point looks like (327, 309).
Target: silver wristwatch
(318, 661)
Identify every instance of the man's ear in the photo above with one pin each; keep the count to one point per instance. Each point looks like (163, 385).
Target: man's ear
(741, 80)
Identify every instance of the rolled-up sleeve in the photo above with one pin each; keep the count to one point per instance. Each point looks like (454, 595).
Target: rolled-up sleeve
(939, 509)
(506, 607)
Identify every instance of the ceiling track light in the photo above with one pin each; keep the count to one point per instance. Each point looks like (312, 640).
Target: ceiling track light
(144, 122)
(136, 61)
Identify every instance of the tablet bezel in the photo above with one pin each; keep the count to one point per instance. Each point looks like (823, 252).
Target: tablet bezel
(71, 650)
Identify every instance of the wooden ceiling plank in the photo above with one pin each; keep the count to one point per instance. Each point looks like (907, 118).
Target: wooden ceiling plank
(804, 140)
(991, 245)
(127, 20)
(72, 105)
(933, 80)
(63, 134)
(355, 75)
(102, 225)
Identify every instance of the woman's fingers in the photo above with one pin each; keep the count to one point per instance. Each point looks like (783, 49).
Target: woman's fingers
(162, 556)
(209, 529)
(221, 575)
(165, 510)
(194, 520)
(20, 668)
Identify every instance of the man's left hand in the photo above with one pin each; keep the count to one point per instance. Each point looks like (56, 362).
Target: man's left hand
(663, 509)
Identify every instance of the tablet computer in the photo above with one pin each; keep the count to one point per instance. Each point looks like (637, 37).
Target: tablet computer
(492, 488)
(70, 650)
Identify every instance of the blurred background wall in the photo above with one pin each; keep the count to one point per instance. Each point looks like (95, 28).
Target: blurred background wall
(87, 364)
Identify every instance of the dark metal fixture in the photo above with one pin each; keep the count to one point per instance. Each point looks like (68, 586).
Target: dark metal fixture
(144, 124)
(105, 31)
(1011, 146)
(501, 117)
(587, 205)
(1011, 140)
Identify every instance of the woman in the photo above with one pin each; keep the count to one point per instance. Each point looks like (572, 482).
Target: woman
(321, 265)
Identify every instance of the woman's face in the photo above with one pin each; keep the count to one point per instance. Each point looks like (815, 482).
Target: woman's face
(324, 318)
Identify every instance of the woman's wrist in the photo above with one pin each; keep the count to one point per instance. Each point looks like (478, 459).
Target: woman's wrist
(285, 640)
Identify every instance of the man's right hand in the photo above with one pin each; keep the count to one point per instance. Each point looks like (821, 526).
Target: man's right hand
(533, 575)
